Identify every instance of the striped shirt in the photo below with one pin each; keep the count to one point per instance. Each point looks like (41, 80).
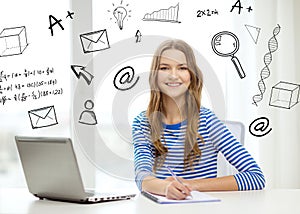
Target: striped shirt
(217, 138)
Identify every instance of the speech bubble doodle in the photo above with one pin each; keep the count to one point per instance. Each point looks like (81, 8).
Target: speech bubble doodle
(259, 126)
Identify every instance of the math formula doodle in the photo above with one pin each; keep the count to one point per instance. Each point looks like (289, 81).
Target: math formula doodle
(29, 84)
(207, 12)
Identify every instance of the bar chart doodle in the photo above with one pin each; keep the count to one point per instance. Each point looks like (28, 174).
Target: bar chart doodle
(265, 72)
(164, 15)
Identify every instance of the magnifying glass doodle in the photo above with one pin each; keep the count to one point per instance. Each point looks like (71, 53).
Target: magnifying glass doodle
(226, 44)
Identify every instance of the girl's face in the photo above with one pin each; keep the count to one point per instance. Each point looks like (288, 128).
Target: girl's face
(173, 77)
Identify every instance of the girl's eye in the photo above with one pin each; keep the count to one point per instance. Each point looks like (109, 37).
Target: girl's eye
(163, 68)
(183, 68)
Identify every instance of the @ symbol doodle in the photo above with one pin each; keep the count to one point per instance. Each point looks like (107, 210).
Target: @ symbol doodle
(259, 127)
(125, 76)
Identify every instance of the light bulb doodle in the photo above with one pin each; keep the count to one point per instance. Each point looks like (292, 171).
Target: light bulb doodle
(265, 72)
(120, 13)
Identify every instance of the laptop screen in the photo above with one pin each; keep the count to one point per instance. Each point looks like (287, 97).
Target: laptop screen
(50, 167)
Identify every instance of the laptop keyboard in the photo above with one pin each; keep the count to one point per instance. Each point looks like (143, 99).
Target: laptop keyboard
(98, 197)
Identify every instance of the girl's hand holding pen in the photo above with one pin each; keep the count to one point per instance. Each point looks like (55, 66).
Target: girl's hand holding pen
(176, 189)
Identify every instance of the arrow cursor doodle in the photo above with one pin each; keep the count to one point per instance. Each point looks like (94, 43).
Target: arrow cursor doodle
(80, 71)
(138, 36)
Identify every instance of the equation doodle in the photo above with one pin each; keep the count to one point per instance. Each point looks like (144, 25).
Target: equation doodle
(207, 12)
(23, 86)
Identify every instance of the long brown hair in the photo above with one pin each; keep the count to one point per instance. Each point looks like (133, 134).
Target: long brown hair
(193, 103)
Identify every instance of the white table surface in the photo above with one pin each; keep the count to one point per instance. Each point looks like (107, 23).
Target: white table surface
(275, 201)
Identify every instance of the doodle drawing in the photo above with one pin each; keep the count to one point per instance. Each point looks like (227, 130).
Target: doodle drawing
(164, 15)
(88, 117)
(238, 5)
(13, 41)
(226, 44)
(124, 77)
(259, 127)
(80, 71)
(138, 36)
(94, 41)
(254, 32)
(120, 14)
(43, 117)
(265, 72)
(284, 95)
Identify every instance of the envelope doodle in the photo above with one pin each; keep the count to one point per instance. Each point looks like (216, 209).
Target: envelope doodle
(42, 117)
(94, 41)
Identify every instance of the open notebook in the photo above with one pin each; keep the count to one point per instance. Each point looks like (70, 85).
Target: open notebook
(196, 198)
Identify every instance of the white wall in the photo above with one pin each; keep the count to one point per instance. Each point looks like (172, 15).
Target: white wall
(43, 51)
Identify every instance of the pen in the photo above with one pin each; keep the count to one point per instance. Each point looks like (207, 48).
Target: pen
(175, 176)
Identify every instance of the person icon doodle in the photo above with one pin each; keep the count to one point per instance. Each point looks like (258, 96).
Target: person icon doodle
(88, 117)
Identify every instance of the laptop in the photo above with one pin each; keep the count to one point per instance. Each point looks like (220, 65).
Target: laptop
(51, 171)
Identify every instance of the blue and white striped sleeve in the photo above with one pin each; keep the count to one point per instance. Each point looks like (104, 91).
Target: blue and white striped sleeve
(143, 155)
(250, 176)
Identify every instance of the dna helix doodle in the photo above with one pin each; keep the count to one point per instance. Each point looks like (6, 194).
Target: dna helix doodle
(265, 72)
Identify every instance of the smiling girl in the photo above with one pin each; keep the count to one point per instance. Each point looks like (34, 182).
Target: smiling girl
(177, 132)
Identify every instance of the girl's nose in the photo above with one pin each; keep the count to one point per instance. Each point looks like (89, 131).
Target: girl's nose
(174, 73)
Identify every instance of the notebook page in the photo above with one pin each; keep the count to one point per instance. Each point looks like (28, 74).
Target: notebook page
(196, 197)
